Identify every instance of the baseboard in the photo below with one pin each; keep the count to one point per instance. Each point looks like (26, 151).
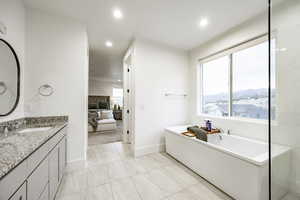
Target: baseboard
(144, 150)
(75, 165)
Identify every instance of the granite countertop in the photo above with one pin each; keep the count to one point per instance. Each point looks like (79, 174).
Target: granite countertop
(15, 147)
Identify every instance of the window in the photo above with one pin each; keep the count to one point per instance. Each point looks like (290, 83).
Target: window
(117, 98)
(117, 92)
(236, 85)
(215, 93)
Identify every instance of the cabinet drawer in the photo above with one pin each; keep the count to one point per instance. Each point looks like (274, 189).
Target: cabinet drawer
(12, 181)
(62, 157)
(53, 171)
(37, 181)
(35, 158)
(45, 194)
(42, 152)
(55, 140)
(20, 193)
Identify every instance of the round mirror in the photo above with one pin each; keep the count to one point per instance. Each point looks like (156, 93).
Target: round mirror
(9, 79)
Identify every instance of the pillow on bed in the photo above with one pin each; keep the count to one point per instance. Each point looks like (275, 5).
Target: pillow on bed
(106, 114)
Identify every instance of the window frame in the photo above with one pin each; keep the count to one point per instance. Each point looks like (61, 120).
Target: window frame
(228, 52)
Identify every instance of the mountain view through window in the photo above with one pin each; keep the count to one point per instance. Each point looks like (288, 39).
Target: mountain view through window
(249, 84)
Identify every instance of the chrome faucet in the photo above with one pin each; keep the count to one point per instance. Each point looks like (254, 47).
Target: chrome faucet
(4, 130)
(220, 136)
(228, 133)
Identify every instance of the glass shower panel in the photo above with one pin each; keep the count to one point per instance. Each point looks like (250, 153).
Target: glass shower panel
(285, 84)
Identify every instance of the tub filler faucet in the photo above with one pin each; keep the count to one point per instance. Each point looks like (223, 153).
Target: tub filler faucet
(228, 132)
(220, 136)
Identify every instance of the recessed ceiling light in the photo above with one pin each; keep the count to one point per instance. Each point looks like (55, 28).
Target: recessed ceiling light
(119, 80)
(118, 13)
(108, 43)
(203, 22)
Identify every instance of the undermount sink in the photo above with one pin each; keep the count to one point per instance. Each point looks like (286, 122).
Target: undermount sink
(34, 129)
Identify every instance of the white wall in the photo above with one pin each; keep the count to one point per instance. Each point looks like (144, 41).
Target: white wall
(157, 69)
(235, 36)
(57, 54)
(98, 86)
(12, 15)
(285, 24)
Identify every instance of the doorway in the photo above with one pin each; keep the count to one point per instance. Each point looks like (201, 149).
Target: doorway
(105, 112)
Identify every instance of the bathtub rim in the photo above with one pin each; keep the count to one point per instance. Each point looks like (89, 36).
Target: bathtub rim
(260, 160)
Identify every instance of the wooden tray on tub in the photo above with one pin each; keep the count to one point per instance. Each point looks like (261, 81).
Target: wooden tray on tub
(213, 131)
(190, 134)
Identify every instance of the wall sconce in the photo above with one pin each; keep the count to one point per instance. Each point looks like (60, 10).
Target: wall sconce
(46, 90)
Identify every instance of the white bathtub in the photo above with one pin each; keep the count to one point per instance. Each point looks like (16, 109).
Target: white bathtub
(237, 165)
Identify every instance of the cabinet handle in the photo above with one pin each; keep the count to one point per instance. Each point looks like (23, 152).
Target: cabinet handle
(21, 197)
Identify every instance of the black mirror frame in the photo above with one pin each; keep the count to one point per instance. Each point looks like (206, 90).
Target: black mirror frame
(18, 81)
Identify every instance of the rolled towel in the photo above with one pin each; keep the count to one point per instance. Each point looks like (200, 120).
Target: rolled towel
(200, 133)
(188, 128)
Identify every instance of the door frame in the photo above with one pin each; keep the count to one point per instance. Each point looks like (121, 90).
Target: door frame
(128, 97)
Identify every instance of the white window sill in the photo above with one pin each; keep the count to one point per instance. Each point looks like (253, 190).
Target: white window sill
(239, 119)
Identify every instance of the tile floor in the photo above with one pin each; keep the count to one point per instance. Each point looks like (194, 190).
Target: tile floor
(111, 173)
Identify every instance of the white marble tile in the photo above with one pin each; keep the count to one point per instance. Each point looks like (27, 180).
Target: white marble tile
(185, 195)
(146, 189)
(73, 182)
(125, 156)
(76, 166)
(102, 192)
(97, 175)
(122, 147)
(107, 157)
(162, 159)
(208, 191)
(111, 147)
(148, 163)
(124, 189)
(164, 182)
(110, 174)
(180, 175)
(135, 166)
(91, 153)
(118, 170)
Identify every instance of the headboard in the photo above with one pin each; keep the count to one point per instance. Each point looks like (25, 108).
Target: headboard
(99, 102)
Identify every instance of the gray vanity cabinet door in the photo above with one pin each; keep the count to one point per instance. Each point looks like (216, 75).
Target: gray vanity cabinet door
(20, 193)
(53, 172)
(45, 194)
(37, 181)
(12, 181)
(62, 157)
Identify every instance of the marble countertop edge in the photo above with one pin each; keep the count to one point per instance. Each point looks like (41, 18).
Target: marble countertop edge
(17, 147)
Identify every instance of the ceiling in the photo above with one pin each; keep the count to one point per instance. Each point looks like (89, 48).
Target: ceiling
(170, 22)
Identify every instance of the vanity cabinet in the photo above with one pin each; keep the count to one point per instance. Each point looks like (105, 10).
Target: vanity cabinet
(37, 181)
(53, 171)
(57, 164)
(39, 175)
(45, 194)
(20, 193)
(62, 157)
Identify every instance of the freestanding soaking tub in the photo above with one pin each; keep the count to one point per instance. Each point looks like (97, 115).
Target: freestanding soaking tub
(236, 165)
